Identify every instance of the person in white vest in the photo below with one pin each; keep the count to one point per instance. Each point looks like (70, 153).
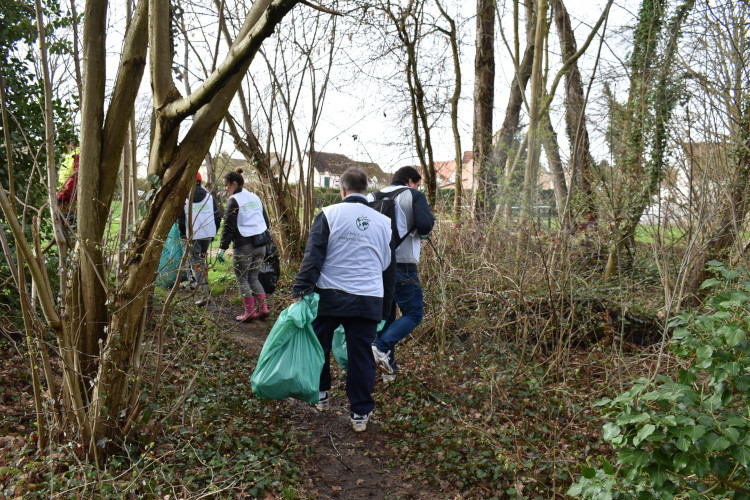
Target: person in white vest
(204, 224)
(347, 262)
(246, 228)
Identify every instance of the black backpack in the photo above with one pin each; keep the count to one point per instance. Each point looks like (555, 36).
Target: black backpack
(270, 269)
(385, 203)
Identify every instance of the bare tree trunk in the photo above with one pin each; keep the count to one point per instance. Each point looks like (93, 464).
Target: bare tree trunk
(651, 90)
(537, 95)
(552, 152)
(76, 58)
(575, 118)
(504, 139)
(455, 98)
(484, 91)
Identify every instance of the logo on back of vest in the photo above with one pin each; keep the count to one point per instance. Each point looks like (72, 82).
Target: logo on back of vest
(363, 223)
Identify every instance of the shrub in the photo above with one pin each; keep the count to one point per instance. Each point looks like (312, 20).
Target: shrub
(687, 435)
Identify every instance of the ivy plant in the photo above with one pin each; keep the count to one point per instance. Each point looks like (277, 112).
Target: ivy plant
(686, 436)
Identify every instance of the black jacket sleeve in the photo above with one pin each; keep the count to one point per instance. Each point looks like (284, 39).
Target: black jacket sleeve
(181, 224)
(423, 218)
(230, 224)
(315, 256)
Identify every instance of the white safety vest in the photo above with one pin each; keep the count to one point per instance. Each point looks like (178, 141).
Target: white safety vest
(204, 225)
(358, 251)
(250, 215)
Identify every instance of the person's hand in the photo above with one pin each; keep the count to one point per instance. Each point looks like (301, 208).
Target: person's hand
(220, 256)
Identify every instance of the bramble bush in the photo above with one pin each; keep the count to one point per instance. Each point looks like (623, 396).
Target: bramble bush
(687, 436)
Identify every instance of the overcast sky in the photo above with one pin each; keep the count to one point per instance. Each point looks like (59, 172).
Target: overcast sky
(361, 119)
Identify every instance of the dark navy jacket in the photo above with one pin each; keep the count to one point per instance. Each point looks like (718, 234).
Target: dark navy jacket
(336, 302)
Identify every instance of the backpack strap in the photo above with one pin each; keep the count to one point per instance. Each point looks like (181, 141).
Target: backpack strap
(391, 195)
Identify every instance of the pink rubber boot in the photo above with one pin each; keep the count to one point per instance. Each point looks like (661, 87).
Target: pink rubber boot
(250, 314)
(262, 305)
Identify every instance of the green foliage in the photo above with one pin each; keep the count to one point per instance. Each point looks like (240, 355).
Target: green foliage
(222, 443)
(24, 101)
(326, 196)
(689, 434)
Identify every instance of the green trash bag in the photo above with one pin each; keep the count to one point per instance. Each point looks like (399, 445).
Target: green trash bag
(169, 263)
(291, 360)
(339, 346)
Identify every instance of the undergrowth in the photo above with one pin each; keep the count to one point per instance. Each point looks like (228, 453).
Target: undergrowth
(222, 441)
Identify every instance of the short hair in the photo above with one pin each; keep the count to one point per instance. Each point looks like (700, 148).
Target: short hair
(354, 180)
(406, 174)
(235, 176)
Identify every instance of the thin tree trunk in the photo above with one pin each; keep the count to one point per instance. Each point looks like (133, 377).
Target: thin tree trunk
(484, 91)
(575, 118)
(552, 152)
(535, 121)
(455, 98)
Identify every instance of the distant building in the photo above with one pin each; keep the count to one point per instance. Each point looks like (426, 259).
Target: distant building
(328, 167)
(446, 172)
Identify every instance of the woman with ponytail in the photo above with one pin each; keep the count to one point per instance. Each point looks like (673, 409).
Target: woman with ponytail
(246, 228)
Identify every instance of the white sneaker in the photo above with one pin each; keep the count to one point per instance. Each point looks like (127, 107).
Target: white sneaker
(388, 378)
(359, 422)
(323, 403)
(381, 360)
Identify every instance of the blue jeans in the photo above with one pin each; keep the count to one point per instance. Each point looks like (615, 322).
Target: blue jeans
(409, 298)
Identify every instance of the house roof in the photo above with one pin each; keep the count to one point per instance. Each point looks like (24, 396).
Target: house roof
(446, 170)
(336, 164)
(332, 162)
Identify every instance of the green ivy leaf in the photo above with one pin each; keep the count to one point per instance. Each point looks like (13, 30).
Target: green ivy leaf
(680, 333)
(683, 444)
(732, 434)
(680, 461)
(713, 442)
(588, 472)
(700, 467)
(607, 467)
(695, 432)
(657, 475)
(743, 383)
(636, 458)
(741, 454)
(610, 431)
(704, 352)
(734, 336)
(645, 432)
(686, 377)
(709, 283)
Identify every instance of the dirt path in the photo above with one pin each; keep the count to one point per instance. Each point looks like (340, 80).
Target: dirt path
(341, 463)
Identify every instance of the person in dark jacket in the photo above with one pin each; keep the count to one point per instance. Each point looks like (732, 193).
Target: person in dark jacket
(414, 221)
(245, 227)
(346, 262)
(206, 218)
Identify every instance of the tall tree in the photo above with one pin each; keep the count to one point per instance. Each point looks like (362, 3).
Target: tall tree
(723, 80)
(100, 326)
(484, 98)
(651, 99)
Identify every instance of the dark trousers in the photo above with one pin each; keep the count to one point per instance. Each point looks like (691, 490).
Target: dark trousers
(360, 378)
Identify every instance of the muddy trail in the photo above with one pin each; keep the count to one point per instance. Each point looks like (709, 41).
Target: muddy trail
(340, 463)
